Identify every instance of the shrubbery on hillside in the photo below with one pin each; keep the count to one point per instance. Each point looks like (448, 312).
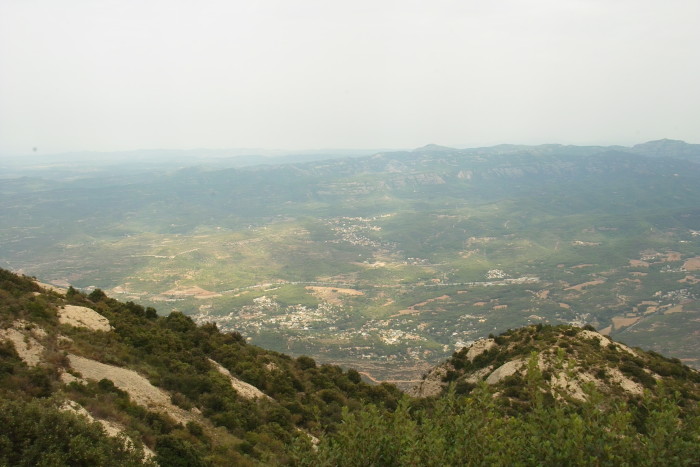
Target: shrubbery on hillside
(476, 430)
(175, 354)
(34, 433)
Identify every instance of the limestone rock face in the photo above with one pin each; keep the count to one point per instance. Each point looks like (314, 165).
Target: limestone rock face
(505, 370)
(245, 390)
(432, 384)
(83, 317)
(479, 347)
(138, 387)
(24, 338)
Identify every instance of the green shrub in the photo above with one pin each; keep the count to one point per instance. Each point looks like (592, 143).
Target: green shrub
(35, 433)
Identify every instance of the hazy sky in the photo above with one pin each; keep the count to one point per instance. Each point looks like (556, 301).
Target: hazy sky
(118, 75)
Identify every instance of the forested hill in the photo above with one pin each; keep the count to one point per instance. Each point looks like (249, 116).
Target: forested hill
(88, 380)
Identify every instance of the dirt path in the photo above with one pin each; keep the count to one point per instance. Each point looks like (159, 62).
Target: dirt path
(392, 381)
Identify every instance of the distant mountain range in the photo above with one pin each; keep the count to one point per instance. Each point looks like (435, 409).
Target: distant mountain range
(60, 165)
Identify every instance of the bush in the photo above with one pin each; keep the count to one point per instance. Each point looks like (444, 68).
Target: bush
(175, 452)
(97, 295)
(35, 433)
(305, 362)
(354, 376)
(476, 431)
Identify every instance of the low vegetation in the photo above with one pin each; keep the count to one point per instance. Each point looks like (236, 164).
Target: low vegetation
(478, 430)
(305, 398)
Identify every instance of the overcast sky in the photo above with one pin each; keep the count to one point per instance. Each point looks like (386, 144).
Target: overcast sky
(303, 74)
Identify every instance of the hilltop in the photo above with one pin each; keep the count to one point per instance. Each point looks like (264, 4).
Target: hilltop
(567, 358)
(668, 148)
(89, 380)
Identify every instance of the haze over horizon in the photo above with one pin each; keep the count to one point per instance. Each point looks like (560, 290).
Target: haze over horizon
(117, 76)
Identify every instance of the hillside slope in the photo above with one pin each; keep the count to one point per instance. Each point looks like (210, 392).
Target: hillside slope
(87, 380)
(177, 390)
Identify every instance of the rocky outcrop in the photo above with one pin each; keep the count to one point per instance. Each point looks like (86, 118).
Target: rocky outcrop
(83, 317)
(432, 384)
(479, 347)
(245, 390)
(505, 370)
(140, 390)
(24, 338)
(571, 362)
(111, 428)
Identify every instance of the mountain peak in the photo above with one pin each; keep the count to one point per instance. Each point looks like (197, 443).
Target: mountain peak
(668, 147)
(434, 148)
